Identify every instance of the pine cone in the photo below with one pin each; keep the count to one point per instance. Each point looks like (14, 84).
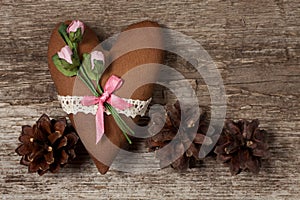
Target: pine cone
(47, 145)
(185, 143)
(241, 146)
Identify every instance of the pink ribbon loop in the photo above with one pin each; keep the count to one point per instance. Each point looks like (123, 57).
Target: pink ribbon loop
(112, 84)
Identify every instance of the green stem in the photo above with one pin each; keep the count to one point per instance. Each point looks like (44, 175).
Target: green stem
(127, 138)
(114, 112)
(84, 81)
(75, 45)
(87, 81)
(120, 122)
(98, 85)
(122, 125)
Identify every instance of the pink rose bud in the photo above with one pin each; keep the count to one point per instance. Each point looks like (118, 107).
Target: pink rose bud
(66, 54)
(96, 55)
(75, 24)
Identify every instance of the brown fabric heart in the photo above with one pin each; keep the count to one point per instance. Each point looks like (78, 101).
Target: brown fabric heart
(104, 152)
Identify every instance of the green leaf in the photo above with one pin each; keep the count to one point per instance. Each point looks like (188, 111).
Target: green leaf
(98, 68)
(76, 36)
(93, 74)
(64, 67)
(86, 64)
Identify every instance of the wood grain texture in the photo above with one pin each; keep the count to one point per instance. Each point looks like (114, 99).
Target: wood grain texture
(256, 47)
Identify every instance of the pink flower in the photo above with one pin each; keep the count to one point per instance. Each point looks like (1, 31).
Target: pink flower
(75, 24)
(66, 54)
(96, 55)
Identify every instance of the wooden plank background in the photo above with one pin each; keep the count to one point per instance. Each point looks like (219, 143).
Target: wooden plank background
(256, 46)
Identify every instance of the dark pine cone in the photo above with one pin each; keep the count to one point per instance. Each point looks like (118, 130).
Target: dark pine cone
(241, 146)
(186, 144)
(47, 145)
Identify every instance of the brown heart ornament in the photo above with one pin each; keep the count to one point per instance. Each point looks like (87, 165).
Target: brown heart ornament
(133, 51)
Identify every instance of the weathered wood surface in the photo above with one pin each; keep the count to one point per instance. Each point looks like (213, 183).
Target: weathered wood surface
(256, 46)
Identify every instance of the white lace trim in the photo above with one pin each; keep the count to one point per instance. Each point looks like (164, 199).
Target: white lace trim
(71, 104)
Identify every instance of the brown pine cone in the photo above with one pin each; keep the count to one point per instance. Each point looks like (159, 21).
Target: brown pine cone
(241, 146)
(186, 144)
(47, 145)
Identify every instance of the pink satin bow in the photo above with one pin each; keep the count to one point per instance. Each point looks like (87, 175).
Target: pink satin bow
(112, 84)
